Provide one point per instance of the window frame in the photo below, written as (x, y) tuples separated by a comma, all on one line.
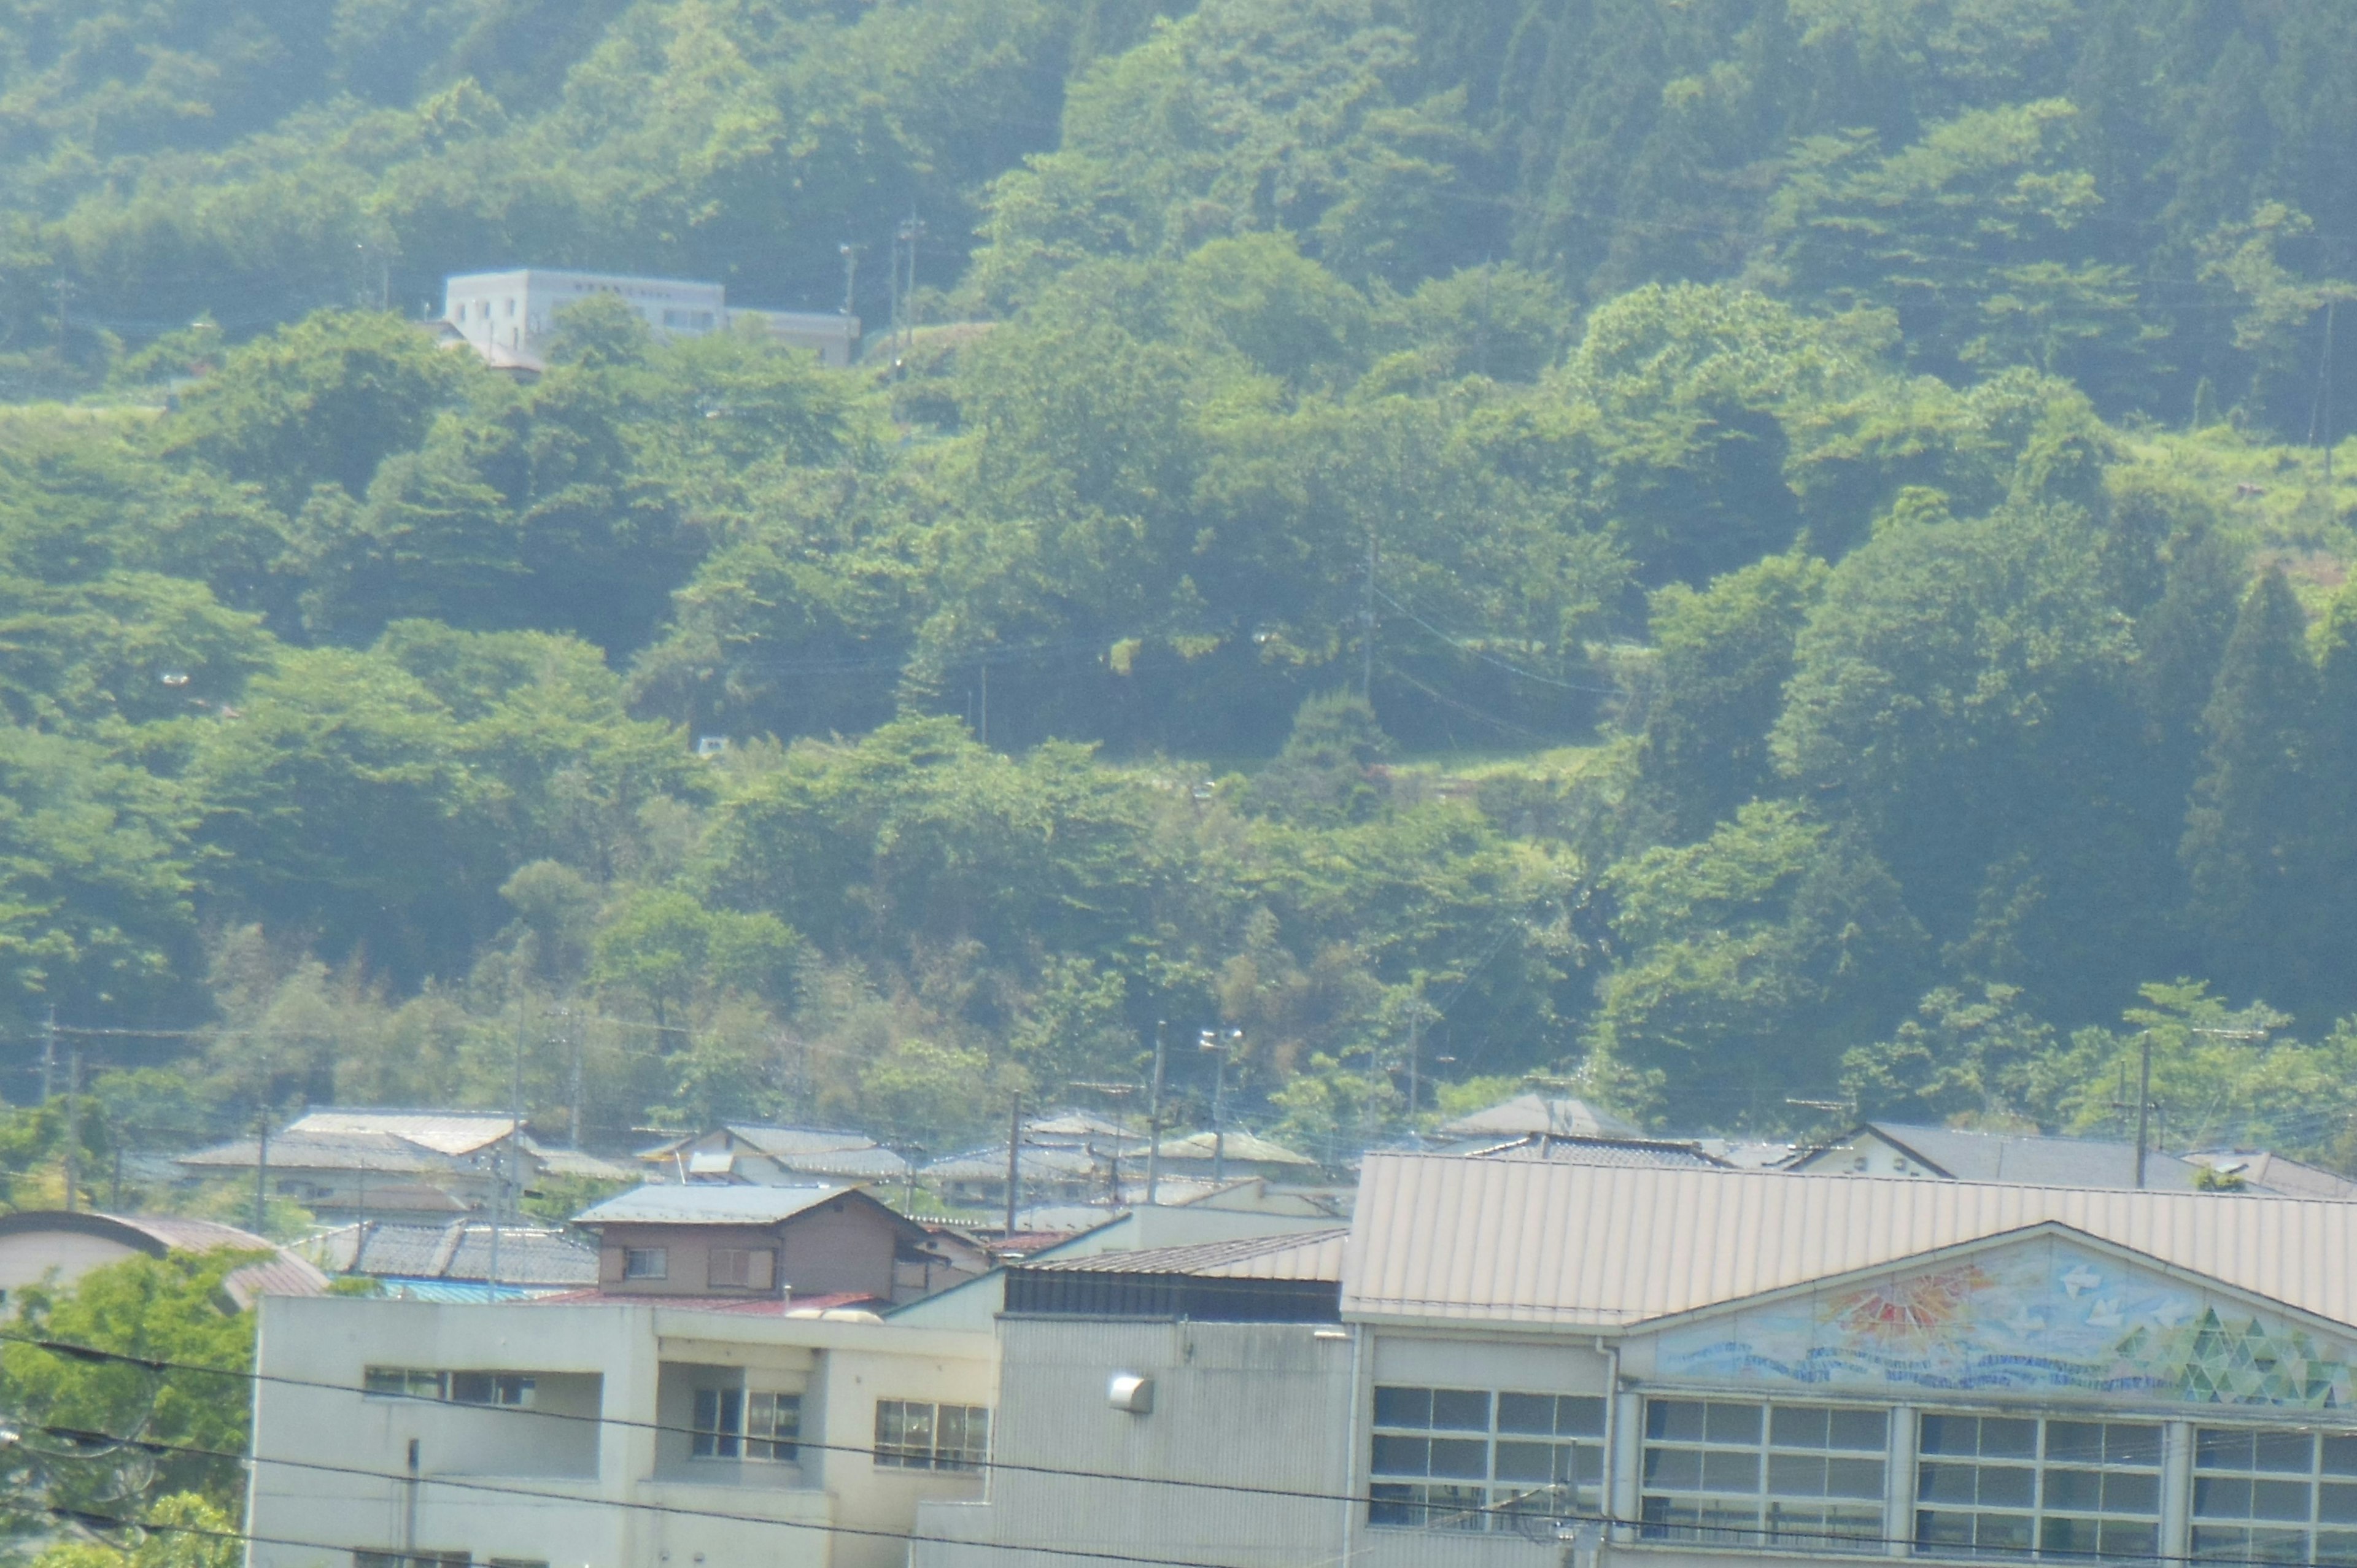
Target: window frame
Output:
[(760, 1425), (964, 1456), (2315, 1480), (2041, 1512), (661, 1257), (1401, 1498), (744, 1271), (1724, 1453)]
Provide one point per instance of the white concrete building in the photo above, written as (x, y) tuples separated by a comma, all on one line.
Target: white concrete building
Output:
[(509, 318), (1538, 1364), (607, 1436)]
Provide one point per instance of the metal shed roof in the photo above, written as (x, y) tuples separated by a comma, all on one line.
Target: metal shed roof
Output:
[(1541, 1244), (1317, 1255)]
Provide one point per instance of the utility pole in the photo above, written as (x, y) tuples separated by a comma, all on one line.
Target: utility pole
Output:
[(1367, 651), (73, 1128), (505, 1147), (2143, 1105), (981, 731), (912, 228), (1013, 1158), (65, 289), (1154, 1118), (850, 254), (2331, 309), (1415, 1054), (262, 1170), (48, 1053), (574, 1038), (1209, 1040)]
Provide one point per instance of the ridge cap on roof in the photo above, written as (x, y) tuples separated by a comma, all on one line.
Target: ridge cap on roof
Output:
[(2182, 1193)]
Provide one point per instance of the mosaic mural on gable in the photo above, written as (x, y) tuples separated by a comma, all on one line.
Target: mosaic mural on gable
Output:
[(2039, 1315)]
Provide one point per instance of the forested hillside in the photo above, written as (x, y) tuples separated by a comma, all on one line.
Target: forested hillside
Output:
[(1746, 552)]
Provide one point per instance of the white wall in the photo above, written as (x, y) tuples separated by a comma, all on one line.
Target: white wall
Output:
[(1261, 1404), (594, 1358)]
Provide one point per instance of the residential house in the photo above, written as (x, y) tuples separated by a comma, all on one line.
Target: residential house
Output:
[(1946, 1154), (348, 1165), (456, 1262), (1528, 1114), (56, 1247), (1234, 1153), (1539, 1363), (1048, 1173), (773, 1156), (1594, 1151), (782, 1245), (620, 1433)]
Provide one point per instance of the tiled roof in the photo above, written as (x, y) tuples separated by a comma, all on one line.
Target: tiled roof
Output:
[(1036, 1162), (707, 1205), (528, 1255), (1241, 1147), (443, 1132), (1593, 1151), (1545, 1244), (276, 1273), (2018, 1157), (1537, 1114), (356, 1151), (2266, 1171)]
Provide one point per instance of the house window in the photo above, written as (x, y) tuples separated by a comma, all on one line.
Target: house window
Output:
[(731, 1424), (645, 1263), (511, 1390), (751, 1267), (1737, 1473), (1471, 1458), (404, 1382), (2275, 1497), (2004, 1485), (910, 1436)]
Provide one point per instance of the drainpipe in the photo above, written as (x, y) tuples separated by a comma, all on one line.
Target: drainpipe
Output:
[(1352, 1484)]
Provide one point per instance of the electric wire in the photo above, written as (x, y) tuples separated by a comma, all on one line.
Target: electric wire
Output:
[(1511, 1511)]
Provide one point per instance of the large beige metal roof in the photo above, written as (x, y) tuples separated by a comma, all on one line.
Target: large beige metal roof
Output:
[(1524, 1242)]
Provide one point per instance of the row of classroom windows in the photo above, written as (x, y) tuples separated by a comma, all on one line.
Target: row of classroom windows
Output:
[(1817, 1477)]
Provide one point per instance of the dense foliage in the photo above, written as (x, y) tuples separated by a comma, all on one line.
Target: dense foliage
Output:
[(1755, 551)]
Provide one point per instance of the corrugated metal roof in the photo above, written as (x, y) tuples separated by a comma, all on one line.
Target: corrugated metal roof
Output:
[(1037, 1161), (1314, 1255), (1536, 1113), (1545, 1244), (707, 1205)]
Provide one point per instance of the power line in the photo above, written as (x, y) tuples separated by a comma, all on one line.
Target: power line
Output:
[(157, 1446), (1510, 1510)]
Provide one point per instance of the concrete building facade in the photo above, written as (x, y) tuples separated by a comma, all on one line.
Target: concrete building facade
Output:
[(1531, 1363), (510, 316), (607, 1434)]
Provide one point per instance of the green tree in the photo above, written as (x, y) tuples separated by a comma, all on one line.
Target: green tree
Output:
[(322, 402), (169, 1308), (2249, 828)]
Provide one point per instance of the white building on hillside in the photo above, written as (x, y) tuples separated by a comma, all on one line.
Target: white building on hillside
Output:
[(613, 1435), (508, 317)]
